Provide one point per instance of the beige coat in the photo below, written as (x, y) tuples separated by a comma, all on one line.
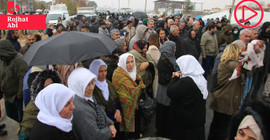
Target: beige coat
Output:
[(209, 44), (131, 31), (154, 52)]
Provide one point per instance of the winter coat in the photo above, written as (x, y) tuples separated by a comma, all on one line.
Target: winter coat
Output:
[(227, 95), (42, 131), (12, 71), (225, 37), (148, 74), (209, 44), (49, 32), (103, 31), (112, 104), (94, 28), (29, 117), (130, 31), (154, 53), (16, 44), (138, 36), (90, 121), (177, 41), (24, 49), (165, 69), (187, 108), (191, 46)]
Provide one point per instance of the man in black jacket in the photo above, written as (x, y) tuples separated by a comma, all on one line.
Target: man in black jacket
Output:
[(13, 36), (174, 37)]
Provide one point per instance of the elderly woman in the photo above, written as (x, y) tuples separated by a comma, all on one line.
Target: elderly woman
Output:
[(104, 92), (188, 93), (226, 98), (166, 66), (89, 119), (42, 80), (145, 65), (129, 86), (122, 45), (55, 103)]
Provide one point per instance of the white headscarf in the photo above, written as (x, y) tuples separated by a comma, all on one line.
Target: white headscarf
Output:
[(78, 80), (190, 67), (249, 122), (123, 64), (102, 85), (50, 101)]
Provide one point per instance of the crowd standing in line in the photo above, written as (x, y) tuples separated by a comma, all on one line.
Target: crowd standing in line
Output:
[(168, 58)]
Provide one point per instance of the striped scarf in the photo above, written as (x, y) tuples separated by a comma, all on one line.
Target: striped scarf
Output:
[(128, 92)]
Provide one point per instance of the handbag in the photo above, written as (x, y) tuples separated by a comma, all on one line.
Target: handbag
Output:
[(147, 105)]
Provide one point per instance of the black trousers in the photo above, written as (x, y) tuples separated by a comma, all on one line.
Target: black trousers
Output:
[(219, 126)]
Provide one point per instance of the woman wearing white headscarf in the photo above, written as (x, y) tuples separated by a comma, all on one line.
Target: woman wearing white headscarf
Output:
[(129, 86), (55, 103), (90, 121), (188, 93), (104, 91)]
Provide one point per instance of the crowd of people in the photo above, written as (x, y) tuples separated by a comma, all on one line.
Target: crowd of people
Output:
[(171, 59)]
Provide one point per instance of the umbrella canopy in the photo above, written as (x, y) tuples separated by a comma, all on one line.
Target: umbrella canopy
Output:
[(69, 48), (140, 15)]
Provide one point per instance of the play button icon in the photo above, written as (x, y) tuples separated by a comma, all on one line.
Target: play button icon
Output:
[(243, 13), (248, 14)]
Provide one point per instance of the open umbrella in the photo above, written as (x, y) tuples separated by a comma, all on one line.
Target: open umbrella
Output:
[(69, 48), (140, 15)]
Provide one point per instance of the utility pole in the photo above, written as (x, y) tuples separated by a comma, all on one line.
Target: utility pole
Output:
[(119, 6), (231, 11), (128, 3), (145, 6)]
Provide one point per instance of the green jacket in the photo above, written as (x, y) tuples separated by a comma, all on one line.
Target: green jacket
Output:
[(29, 117), (12, 71), (146, 75), (113, 98), (227, 96), (209, 44), (225, 37)]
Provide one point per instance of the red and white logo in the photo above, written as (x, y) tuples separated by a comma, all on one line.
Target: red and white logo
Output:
[(246, 17), (21, 22)]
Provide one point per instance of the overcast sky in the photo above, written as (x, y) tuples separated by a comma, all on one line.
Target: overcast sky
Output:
[(139, 4)]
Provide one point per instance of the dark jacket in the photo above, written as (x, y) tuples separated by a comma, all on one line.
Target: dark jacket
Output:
[(94, 28), (112, 104), (16, 44), (225, 36), (187, 109), (49, 32), (191, 46), (165, 70), (12, 71), (24, 49), (42, 131), (179, 51)]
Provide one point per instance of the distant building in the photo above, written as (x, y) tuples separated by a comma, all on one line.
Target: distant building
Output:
[(215, 10), (178, 5)]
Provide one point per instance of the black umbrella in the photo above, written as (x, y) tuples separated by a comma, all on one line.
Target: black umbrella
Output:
[(140, 15), (69, 48)]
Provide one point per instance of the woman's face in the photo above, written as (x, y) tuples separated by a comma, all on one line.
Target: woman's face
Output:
[(102, 73), (48, 82), (67, 110), (124, 49), (162, 34), (245, 134), (130, 64), (89, 89)]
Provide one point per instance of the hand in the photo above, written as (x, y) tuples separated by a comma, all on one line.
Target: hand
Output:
[(204, 57), (143, 66), (117, 116), (113, 130), (176, 74)]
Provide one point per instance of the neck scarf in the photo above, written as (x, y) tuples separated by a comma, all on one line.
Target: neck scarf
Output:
[(190, 67), (249, 122), (102, 85), (122, 63), (78, 80), (50, 101)]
